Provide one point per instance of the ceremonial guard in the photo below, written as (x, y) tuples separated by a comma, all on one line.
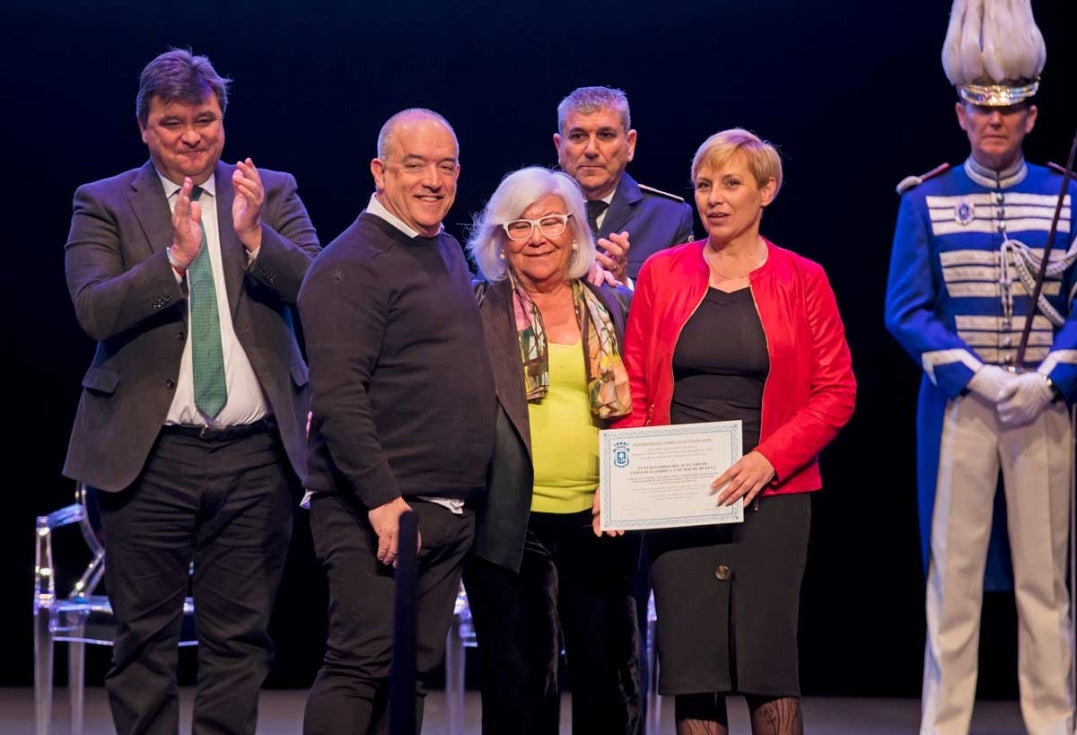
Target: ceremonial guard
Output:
[(967, 253)]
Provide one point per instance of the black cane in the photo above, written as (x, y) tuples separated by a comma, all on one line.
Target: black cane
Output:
[(403, 715), (1020, 361), (1066, 176)]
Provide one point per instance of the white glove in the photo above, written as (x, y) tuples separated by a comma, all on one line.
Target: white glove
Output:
[(1024, 399), (989, 381)]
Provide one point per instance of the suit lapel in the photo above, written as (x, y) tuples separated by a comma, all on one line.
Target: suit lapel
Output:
[(154, 215), (621, 206), (504, 346), (150, 208), (233, 254)]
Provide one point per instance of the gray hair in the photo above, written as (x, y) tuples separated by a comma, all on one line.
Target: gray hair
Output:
[(589, 100), (177, 75), (763, 159), (385, 136), (516, 192)]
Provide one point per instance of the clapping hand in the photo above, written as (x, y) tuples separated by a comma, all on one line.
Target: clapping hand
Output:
[(612, 254), (186, 227), (247, 206)]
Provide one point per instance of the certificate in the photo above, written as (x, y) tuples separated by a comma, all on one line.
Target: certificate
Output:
[(660, 476)]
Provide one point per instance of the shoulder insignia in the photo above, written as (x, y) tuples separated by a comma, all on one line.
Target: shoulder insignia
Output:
[(659, 192), (1057, 168), (910, 181)]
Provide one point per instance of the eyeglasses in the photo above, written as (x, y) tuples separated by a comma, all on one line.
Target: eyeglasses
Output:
[(551, 225)]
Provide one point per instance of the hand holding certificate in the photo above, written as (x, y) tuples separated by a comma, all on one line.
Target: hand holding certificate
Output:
[(660, 476)]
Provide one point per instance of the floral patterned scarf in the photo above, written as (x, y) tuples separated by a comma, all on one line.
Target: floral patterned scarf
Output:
[(607, 380)]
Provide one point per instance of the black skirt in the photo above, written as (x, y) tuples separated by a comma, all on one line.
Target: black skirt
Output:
[(727, 599)]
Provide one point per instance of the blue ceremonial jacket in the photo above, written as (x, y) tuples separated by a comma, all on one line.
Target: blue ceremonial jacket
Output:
[(966, 251)]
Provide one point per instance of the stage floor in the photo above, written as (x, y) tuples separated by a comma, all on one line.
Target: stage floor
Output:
[(281, 713)]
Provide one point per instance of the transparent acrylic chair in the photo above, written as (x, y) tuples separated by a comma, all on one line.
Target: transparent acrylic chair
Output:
[(461, 637), (78, 618)]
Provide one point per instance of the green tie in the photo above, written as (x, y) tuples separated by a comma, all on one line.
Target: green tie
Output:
[(207, 356)]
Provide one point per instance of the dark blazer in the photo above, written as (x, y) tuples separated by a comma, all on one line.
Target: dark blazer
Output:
[(503, 514), (127, 297), (654, 220)]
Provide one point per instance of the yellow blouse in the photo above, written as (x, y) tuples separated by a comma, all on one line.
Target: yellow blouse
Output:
[(564, 436)]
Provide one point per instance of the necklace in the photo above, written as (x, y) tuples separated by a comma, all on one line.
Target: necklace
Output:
[(757, 258)]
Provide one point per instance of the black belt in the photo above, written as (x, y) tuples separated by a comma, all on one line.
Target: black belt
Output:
[(221, 433)]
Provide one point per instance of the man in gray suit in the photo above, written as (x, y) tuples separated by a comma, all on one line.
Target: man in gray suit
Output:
[(595, 141), (185, 481)]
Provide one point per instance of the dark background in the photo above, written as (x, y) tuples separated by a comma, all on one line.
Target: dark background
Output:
[(852, 93)]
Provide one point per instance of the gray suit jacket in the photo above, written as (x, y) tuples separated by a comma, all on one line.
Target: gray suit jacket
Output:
[(654, 220), (503, 514), (126, 297)]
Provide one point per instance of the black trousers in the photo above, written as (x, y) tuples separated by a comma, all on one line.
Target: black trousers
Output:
[(573, 589), (350, 694), (226, 506)]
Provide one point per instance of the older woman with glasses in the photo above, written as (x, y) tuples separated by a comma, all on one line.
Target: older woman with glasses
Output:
[(541, 576)]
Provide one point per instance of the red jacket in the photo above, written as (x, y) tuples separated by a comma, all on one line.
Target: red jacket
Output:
[(810, 391)]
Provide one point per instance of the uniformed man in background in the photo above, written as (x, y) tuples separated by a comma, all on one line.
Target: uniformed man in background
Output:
[(595, 141)]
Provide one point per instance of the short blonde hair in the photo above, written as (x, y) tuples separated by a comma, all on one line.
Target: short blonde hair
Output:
[(763, 159)]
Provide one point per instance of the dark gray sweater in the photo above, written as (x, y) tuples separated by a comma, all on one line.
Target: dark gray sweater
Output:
[(402, 391)]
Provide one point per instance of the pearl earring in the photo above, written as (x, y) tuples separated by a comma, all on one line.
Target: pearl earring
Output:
[(575, 245), (501, 255)]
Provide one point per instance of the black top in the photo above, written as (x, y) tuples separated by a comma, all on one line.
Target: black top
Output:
[(721, 363), (403, 395)]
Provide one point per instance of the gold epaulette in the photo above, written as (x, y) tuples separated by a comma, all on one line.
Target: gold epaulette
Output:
[(659, 192), (910, 181)]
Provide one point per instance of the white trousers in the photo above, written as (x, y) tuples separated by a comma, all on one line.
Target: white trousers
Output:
[(1036, 461)]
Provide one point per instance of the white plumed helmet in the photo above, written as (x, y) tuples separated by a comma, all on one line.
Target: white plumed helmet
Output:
[(993, 52)]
